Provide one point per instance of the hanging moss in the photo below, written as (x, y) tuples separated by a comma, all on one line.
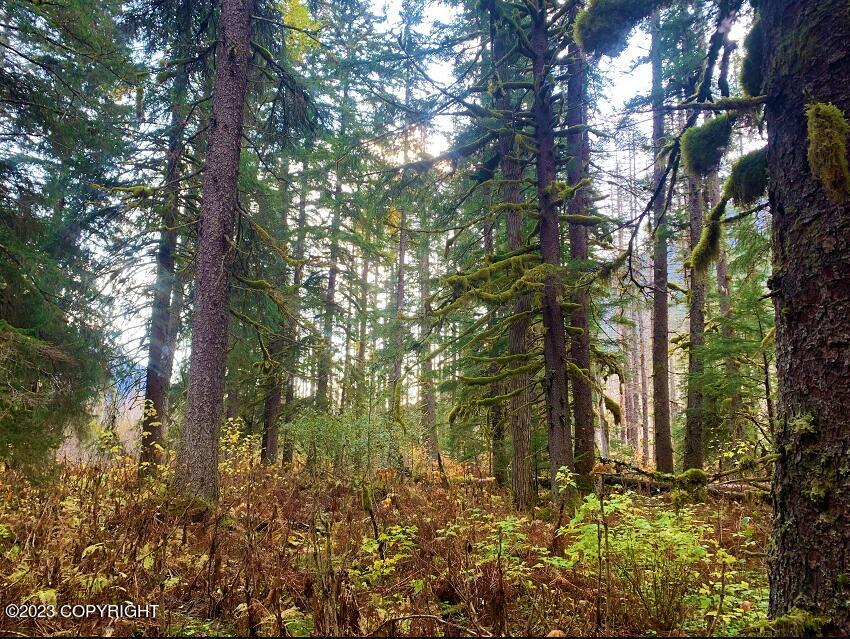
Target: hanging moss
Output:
[(828, 130), (751, 77), (603, 27), (614, 408), (748, 179), (703, 146), (706, 250)]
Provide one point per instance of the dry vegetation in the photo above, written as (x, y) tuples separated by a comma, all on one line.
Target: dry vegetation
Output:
[(298, 551)]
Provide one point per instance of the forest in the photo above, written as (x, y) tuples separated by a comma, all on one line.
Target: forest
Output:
[(424, 318)]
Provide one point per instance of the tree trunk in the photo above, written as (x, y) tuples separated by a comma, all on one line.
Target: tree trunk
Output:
[(274, 374), (554, 340), (644, 393), (160, 356), (807, 61), (579, 252), (519, 407), (429, 396), (693, 453), (660, 363), (197, 461)]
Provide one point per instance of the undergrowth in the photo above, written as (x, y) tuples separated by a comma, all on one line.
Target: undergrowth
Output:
[(296, 551)]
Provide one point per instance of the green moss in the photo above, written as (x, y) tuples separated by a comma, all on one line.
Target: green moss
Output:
[(602, 28), (751, 77), (703, 146), (794, 623), (748, 180), (828, 130), (614, 408), (708, 247), (692, 477)]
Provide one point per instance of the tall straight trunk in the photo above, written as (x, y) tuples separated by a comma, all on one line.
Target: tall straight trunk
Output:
[(579, 252), (806, 61), (197, 460), (429, 395), (297, 280), (554, 340), (362, 336), (498, 446), (644, 393), (275, 376), (519, 407), (160, 356), (693, 453), (660, 318), (323, 371)]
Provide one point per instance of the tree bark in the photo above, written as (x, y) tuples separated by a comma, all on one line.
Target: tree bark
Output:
[(660, 321), (554, 340), (274, 382), (807, 61), (519, 407), (579, 151), (160, 356), (197, 461), (693, 453)]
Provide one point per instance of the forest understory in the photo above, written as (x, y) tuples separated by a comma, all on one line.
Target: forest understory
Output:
[(425, 317), (293, 551)]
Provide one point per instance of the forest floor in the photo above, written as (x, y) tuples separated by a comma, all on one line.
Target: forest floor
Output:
[(295, 552)]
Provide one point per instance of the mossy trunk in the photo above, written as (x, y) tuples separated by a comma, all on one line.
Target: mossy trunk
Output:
[(579, 151), (660, 318), (554, 338), (807, 61), (519, 408), (693, 453), (197, 461), (160, 355)]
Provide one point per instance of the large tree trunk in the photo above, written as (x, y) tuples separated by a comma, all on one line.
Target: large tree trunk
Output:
[(160, 356), (197, 461), (554, 340), (579, 252), (519, 408), (274, 382), (429, 396), (693, 453), (297, 279), (807, 61), (660, 363), (323, 398)]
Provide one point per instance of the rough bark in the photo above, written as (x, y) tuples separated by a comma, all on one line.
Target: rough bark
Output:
[(693, 452), (807, 61), (579, 252), (274, 382), (429, 396), (519, 408), (197, 461), (554, 340), (660, 320), (160, 356)]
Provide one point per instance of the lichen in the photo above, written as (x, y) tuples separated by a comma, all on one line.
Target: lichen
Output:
[(828, 130), (748, 180), (602, 28), (751, 76), (703, 146)]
